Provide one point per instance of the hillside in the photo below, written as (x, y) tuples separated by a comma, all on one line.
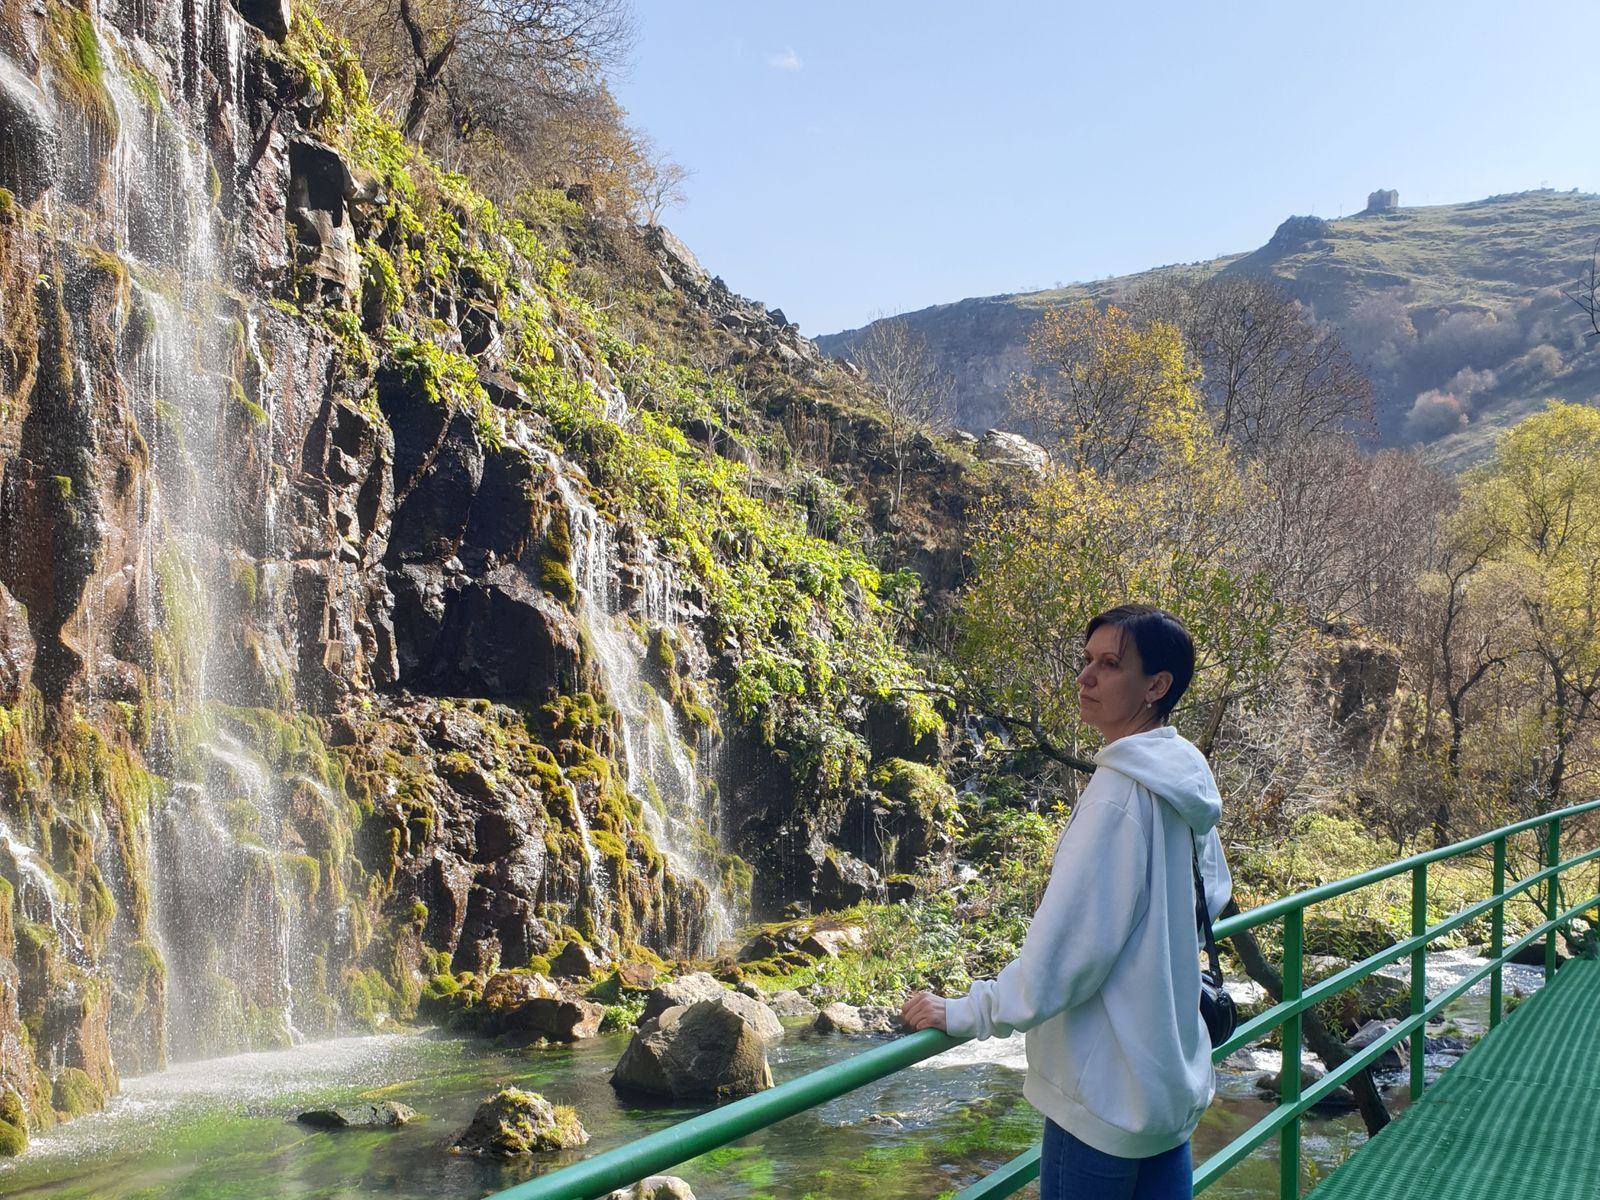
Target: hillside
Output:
[(1456, 311)]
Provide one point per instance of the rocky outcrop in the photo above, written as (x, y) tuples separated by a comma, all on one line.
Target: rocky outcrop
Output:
[(303, 570), (1013, 452), (844, 881), (29, 151)]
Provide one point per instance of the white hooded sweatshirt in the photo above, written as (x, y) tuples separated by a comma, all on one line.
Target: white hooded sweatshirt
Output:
[(1108, 981)]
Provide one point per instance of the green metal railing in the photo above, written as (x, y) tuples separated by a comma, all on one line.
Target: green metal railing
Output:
[(659, 1151)]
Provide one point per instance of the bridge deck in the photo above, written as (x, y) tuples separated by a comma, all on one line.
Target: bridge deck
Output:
[(1517, 1116)]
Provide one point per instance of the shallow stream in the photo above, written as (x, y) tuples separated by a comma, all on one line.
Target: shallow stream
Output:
[(224, 1129)]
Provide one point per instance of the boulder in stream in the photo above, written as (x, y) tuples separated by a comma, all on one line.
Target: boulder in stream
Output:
[(847, 1018), (680, 992), (707, 1051), (563, 1020), (513, 1122), (382, 1115), (790, 1003)]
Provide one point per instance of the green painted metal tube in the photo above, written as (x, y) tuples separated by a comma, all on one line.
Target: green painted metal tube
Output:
[(1009, 1179), (1289, 1076), (1266, 1021), (625, 1164), (655, 1153), (1552, 895), (1497, 933), (1419, 974), (1328, 891)]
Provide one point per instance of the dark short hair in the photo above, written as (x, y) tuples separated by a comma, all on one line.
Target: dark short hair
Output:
[(1162, 641)]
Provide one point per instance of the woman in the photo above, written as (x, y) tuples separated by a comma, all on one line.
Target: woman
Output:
[(1108, 980)]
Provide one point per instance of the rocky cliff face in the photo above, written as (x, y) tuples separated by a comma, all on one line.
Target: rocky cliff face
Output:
[(360, 624)]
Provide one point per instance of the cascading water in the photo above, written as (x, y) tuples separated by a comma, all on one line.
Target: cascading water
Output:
[(224, 920), (595, 881), (679, 809), (37, 894)]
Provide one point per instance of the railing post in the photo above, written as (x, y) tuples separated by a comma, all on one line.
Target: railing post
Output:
[(1289, 1041), (1419, 976), (1552, 895), (1497, 932)]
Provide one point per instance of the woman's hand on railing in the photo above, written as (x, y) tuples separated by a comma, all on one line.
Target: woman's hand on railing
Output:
[(923, 1010)]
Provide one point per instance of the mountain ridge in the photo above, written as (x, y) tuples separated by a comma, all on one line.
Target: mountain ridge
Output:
[(1457, 311)]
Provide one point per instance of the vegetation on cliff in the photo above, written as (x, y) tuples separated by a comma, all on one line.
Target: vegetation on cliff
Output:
[(356, 718)]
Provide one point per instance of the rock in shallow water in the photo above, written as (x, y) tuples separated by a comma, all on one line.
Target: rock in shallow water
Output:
[(513, 1122), (655, 1187), (790, 1003), (387, 1115), (847, 1018), (707, 1051), (678, 993)]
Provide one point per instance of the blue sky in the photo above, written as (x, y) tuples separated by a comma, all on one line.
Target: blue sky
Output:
[(853, 159)]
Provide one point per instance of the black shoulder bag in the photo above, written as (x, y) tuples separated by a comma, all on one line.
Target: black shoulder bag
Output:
[(1216, 1006)]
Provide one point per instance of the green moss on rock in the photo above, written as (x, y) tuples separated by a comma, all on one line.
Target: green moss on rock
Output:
[(514, 1122), (920, 788), (75, 1094)]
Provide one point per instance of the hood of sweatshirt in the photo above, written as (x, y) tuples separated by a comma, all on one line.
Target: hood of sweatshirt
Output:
[(1169, 766)]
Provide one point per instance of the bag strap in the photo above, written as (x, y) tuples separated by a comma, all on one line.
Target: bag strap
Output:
[(1202, 912)]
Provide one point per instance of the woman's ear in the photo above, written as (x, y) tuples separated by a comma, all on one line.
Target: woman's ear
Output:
[(1160, 682)]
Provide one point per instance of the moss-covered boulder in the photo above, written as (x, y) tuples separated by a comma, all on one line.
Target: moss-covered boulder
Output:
[(556, 1020), (903, 818), (13, 1124), (513, 1122), (577, 961), (75, 1093)]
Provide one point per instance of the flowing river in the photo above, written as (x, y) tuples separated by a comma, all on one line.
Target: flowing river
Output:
[(224, 1129)]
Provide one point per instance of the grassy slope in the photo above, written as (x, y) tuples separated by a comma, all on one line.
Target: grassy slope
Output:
[(1509, 255)]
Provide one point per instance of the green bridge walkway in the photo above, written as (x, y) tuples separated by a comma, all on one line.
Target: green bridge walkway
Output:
[(1517, 1116)]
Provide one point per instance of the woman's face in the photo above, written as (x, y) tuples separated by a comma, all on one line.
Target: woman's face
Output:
[(1115, 696)]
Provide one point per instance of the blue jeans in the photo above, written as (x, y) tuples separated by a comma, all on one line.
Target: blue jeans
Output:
[(1071, 1170)]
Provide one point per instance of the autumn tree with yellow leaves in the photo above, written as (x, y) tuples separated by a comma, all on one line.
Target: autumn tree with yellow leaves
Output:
[(1107, 393), (1535, 508), (1144, 504)]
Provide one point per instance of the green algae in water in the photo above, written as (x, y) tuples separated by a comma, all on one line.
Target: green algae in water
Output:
[(224, 1130)]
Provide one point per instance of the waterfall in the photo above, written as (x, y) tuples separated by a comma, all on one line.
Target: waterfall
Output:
[(220, 905), (679, 809), (595, 881), (37, 894)]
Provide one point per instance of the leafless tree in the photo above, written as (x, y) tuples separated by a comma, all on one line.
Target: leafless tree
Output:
[(513, 90), (914, 392), (1467, 631), (660, 186), (1270, 372), (1586, 292), (1343, 534)]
